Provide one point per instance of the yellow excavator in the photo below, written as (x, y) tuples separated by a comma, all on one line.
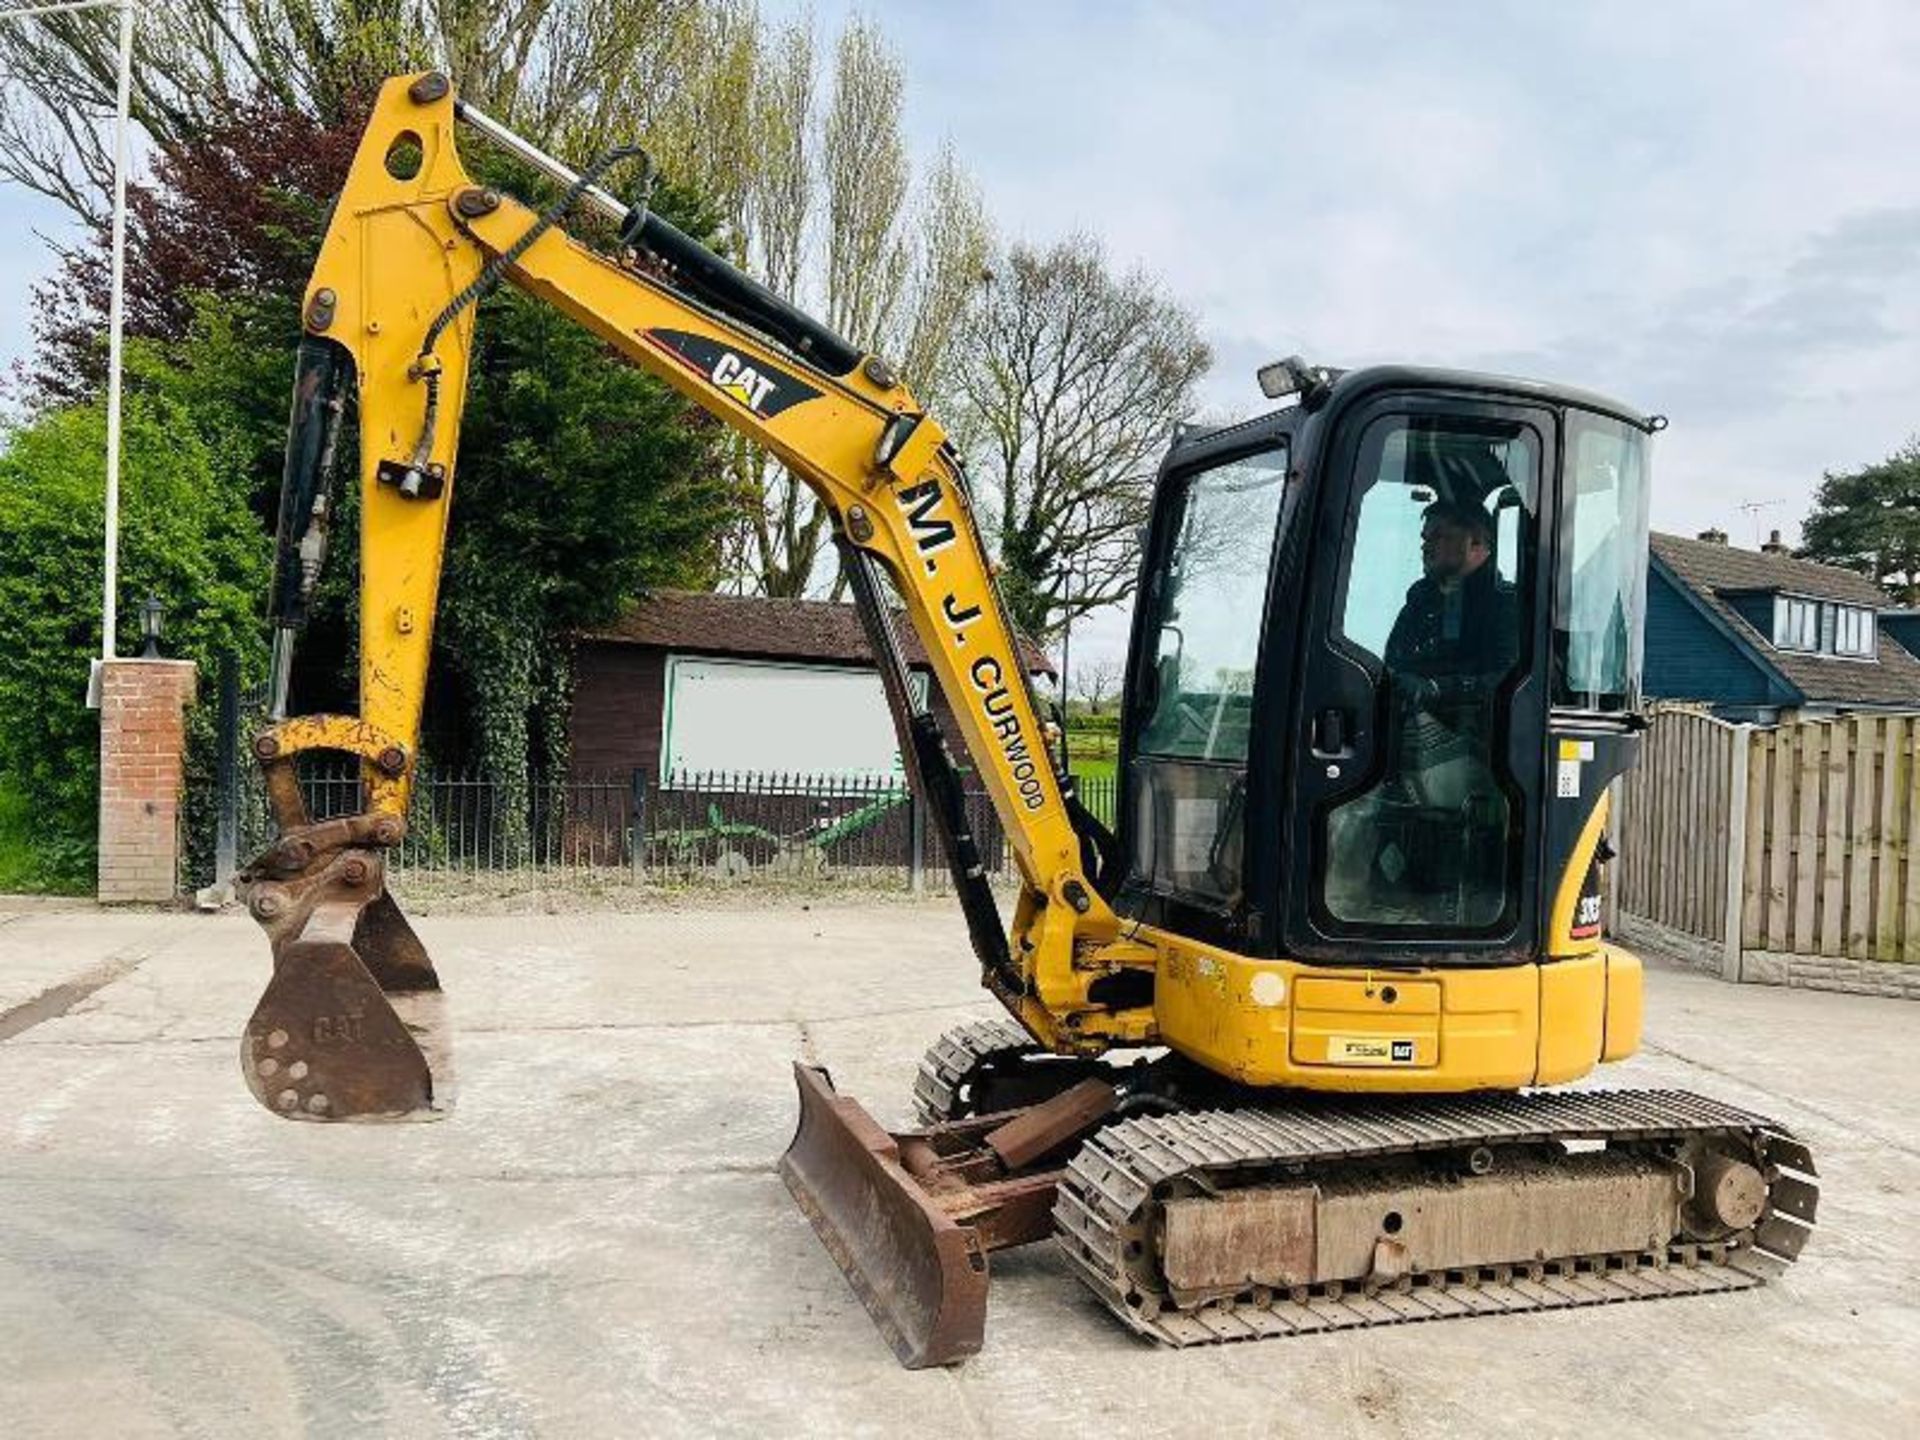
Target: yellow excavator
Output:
[(1274, 1046)]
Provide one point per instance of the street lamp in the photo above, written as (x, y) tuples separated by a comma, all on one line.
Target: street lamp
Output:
[(109, 604), (152, 612)]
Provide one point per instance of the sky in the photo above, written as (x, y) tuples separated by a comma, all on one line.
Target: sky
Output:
[(1709, 210)]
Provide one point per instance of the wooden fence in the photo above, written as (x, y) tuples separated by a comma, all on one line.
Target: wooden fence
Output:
[(1831, 807), (1675, 830), (1790, 840)]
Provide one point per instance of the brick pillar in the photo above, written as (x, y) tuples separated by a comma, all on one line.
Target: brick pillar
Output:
[(142, 753)]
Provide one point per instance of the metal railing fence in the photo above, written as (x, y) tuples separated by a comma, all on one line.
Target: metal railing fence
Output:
[(636, 828)]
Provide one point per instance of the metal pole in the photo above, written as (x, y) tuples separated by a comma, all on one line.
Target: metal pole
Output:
[(109, 587), (226, 843), (596, 198), (116, 314), (1066, 666)]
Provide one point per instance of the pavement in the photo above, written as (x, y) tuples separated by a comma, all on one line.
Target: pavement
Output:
[(596, 1244)]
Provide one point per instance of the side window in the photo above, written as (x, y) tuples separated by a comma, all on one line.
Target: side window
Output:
[(1211, 604), (1433, 592), (1189, 768)]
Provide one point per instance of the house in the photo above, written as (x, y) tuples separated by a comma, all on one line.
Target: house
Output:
[(1761, 636), (697, 684)]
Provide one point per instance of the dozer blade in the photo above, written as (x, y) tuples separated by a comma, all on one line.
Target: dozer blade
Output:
[(352, 1024), (921, 1274)]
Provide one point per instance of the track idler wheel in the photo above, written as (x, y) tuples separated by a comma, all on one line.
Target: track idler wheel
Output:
[(351, 1026)]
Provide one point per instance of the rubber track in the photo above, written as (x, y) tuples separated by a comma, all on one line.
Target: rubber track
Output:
[(1107, 1201), (952, 1060)]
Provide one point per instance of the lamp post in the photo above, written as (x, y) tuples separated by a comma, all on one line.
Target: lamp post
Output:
[(109, 586), (152, 612)]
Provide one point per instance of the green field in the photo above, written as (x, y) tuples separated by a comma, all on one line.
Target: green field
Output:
[(1093, 746)]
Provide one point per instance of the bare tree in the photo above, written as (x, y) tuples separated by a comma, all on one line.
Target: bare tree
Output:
[(552, 67), (809, 174), (1098, 681), (1074, 378), (823, 205)]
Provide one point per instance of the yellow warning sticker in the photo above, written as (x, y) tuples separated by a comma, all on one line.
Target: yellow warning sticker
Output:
[(1368, 1050), (1576, 749)]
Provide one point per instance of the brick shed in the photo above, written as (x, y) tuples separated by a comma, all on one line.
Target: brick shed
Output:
[(692, 682)]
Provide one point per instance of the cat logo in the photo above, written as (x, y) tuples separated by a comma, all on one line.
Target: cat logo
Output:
[(1357, 1050), (756, 385), (742, 381)]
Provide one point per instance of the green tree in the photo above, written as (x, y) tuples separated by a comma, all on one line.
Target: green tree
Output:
[(582, 480), (1869, 520), (186, 536)]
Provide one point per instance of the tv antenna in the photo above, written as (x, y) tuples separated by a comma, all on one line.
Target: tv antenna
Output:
[(1753, 508)]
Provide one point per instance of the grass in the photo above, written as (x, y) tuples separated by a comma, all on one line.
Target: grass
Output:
[(24, 865), (1092, 753), (18, 865)]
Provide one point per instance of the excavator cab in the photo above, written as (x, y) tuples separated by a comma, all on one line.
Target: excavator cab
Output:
[(1365, 623), (1271, 1054)]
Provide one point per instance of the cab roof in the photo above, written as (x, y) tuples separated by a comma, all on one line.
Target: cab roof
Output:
[(1350, 385)]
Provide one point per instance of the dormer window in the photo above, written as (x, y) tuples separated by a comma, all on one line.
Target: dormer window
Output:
[(1819, 627), (1853, 630), (1796, 623)]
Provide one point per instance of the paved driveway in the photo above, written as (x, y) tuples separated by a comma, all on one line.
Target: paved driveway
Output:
[(596, 1243)]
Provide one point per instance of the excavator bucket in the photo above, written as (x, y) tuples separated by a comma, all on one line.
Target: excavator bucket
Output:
[(352, 1024), (921, 1274)]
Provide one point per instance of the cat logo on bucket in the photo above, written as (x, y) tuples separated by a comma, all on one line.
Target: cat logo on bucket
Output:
[(1366, 1050)]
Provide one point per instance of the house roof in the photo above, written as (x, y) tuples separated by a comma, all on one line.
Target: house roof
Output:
[(820, 630), (1713, 571)]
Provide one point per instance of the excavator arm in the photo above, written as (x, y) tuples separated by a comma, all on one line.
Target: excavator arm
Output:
[(346, 1025)]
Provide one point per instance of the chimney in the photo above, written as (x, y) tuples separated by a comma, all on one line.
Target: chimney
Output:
[(1773, 545), (1713, 537)]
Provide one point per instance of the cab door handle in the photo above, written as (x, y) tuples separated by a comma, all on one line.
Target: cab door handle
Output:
[(1332, 736)]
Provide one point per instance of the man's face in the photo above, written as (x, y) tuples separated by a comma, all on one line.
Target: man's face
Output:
[(1449, 550)]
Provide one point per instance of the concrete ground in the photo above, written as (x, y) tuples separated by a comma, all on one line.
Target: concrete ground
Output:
[(596, 1242)]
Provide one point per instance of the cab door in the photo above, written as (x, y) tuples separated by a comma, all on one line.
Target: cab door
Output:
[(1191, 734), (1418, 727)]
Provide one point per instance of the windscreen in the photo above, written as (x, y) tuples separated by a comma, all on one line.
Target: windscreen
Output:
[(1601, 590)]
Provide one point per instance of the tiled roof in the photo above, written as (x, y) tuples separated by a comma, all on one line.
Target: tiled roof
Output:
[(1713, 571), (772, 629)]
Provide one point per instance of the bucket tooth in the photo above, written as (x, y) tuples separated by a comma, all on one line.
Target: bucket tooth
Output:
[(921, 1274)]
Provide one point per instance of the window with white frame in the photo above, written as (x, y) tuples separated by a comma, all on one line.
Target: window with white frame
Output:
[(1853, 631), (1796, 623)]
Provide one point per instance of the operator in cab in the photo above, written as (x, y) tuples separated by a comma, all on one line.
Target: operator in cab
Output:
[(1460, 622), (1434, 836)]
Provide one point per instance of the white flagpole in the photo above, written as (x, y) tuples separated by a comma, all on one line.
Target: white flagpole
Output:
[(116, 316), (116, 307)]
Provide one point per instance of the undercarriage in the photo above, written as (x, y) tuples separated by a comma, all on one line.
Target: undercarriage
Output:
[(1200, 1213)]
